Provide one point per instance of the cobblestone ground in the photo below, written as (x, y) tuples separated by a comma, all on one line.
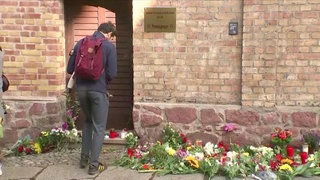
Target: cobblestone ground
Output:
[(68, 156)]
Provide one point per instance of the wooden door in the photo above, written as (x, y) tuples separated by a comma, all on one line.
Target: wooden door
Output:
[(82, 18)]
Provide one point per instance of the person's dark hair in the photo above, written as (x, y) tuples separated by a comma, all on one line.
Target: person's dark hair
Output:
[(108, 27)]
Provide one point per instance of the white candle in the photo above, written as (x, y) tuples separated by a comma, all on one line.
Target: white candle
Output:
[(305, 148), (123, 134)]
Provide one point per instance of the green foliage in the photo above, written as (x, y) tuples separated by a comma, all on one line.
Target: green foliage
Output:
[(209, 167), (172, 137), (73, 109), (131, 140), (312, 139)]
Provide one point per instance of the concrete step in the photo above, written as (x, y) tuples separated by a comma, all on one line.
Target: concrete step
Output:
[(117, 141)]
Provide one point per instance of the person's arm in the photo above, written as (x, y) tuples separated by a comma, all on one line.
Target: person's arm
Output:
[(72, 59), (111, 67)]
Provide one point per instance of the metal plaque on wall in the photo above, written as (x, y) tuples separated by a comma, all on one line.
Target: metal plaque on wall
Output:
[(159, 19)]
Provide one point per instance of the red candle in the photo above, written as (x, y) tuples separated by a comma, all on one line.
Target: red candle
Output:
[(290, 151), (304, 157), (130, 152)]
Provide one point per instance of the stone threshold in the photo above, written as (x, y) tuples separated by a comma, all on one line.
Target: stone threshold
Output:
[(115, 141)]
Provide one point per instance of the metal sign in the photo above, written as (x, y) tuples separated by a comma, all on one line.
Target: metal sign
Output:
[(160, 19)]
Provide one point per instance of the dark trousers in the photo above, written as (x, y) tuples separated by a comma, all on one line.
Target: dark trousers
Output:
[(95, 106)]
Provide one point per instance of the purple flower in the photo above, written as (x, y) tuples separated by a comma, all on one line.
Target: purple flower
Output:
[(69, 112), (182, 153), (230, 127), (65, 126)]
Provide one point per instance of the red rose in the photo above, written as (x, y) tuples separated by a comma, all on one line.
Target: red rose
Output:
[(28, 150), (274, 165), (278, 157), (184, 138), (20, 149), (220, 144)]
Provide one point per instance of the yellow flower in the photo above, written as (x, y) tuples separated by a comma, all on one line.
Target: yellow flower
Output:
[(246, 154), (286, 161), (171, 151), (193, 162), (311, 157), (37, 148), (286, 167), (45, 133)]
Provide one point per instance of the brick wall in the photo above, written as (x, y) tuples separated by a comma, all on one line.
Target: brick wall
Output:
[(200, 78), (199, 63), (280, 61), (32, 36)]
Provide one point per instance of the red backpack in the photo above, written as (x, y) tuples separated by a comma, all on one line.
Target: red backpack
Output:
[(89, 62)]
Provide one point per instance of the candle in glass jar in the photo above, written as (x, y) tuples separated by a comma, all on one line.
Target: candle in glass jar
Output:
[(290, 151), (123, 134), (305, 148), (304, 157)]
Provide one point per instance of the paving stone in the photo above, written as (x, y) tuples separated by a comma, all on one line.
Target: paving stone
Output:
[(119, 173), (56, 172), (19, 172)]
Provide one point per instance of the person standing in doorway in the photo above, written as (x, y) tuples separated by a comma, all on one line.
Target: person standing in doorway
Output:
[(94, 102)]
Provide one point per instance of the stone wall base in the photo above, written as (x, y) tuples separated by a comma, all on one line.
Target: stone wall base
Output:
[(206, 122), (28, 117)]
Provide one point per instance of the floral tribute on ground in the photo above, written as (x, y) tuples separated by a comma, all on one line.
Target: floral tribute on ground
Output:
[(175, 154), (57, 138)]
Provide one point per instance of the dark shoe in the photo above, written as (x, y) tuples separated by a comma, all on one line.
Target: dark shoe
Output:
[(96, 169), (84, 161)]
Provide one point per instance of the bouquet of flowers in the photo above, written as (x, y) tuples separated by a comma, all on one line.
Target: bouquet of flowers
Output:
[(131, 140), (281, 138), (173, 137)]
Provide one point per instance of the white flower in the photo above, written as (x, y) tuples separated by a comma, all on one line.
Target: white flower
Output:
[(232, 155), (199, 156), (74, 132), (67, 132), (208, 148)]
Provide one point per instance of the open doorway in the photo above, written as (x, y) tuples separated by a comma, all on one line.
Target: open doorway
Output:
[(82, 18)]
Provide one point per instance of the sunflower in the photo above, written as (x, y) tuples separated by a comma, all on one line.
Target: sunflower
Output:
[(193, 162), (286, 161)]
